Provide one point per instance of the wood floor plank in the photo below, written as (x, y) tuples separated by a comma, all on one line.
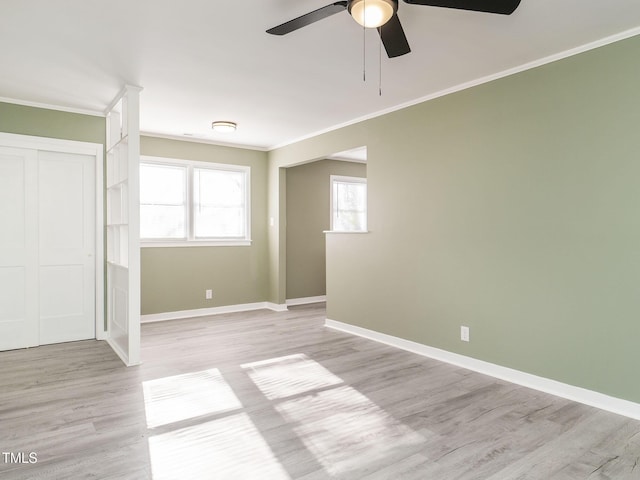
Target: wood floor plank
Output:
[(276, 395)]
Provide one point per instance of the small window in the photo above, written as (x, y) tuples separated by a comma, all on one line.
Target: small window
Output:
[(193, 202), (348, 204)]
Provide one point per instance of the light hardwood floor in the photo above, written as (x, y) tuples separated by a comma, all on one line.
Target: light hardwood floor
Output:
[(267, 395)]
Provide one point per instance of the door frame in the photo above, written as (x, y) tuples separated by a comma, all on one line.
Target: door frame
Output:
[(95, 150)]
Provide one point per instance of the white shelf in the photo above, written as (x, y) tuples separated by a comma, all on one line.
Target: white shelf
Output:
[(118, 143), (117, 164)]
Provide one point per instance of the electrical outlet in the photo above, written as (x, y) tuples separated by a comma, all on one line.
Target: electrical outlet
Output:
[(464, 333), (208, 294)]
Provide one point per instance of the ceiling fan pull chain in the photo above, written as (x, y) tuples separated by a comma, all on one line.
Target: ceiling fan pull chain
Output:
[(364, 45), (380, 66)]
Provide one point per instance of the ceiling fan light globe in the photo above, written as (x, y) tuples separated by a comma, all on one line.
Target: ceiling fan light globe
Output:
[(372, 13)]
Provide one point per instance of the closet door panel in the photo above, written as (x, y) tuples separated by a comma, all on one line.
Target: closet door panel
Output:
[(66, 246), (18, 248)]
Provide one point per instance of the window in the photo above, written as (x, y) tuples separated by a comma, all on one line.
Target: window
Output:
[(348, 204), (193, 202), (163, 201)]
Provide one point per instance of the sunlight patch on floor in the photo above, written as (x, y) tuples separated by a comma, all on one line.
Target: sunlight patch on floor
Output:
[(344, 430), (339, 426), (181, 397), (291, 375), (227, 448)]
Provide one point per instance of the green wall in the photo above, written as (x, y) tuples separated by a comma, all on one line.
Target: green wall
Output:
[(175, 278), (308, 212), (512, 208), (42, 122)]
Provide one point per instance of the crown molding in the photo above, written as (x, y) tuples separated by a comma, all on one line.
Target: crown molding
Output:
[(46, 106), (190, 139)]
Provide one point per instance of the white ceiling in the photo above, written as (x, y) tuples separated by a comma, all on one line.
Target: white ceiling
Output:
[(205, 60)]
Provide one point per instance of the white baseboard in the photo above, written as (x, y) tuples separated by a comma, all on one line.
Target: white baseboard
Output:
[(570, 392), (276, 307), (306, 300), (203, 312)]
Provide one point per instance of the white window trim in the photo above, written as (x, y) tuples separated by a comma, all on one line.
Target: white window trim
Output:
[(191, 241), (343, 178)]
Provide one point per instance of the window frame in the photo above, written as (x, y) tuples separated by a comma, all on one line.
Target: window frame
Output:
[(347, 179), (191, 240)]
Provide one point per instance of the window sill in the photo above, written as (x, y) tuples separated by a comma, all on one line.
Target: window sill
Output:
[(196, 243), (346, 231)]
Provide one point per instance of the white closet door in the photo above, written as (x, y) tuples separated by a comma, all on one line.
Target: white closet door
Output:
[(18, 248), (66, 222)]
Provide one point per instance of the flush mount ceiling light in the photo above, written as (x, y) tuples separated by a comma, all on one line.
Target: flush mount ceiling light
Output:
[(372, 13), (224, 126)]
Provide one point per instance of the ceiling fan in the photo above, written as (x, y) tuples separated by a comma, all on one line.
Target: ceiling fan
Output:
[(383, 15)]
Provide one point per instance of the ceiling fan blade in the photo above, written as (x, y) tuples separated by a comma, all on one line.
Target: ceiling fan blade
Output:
[(308, 19), (504, 7), (393, 38)]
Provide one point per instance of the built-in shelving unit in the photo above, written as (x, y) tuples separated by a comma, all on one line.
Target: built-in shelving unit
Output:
[(122, 225)]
